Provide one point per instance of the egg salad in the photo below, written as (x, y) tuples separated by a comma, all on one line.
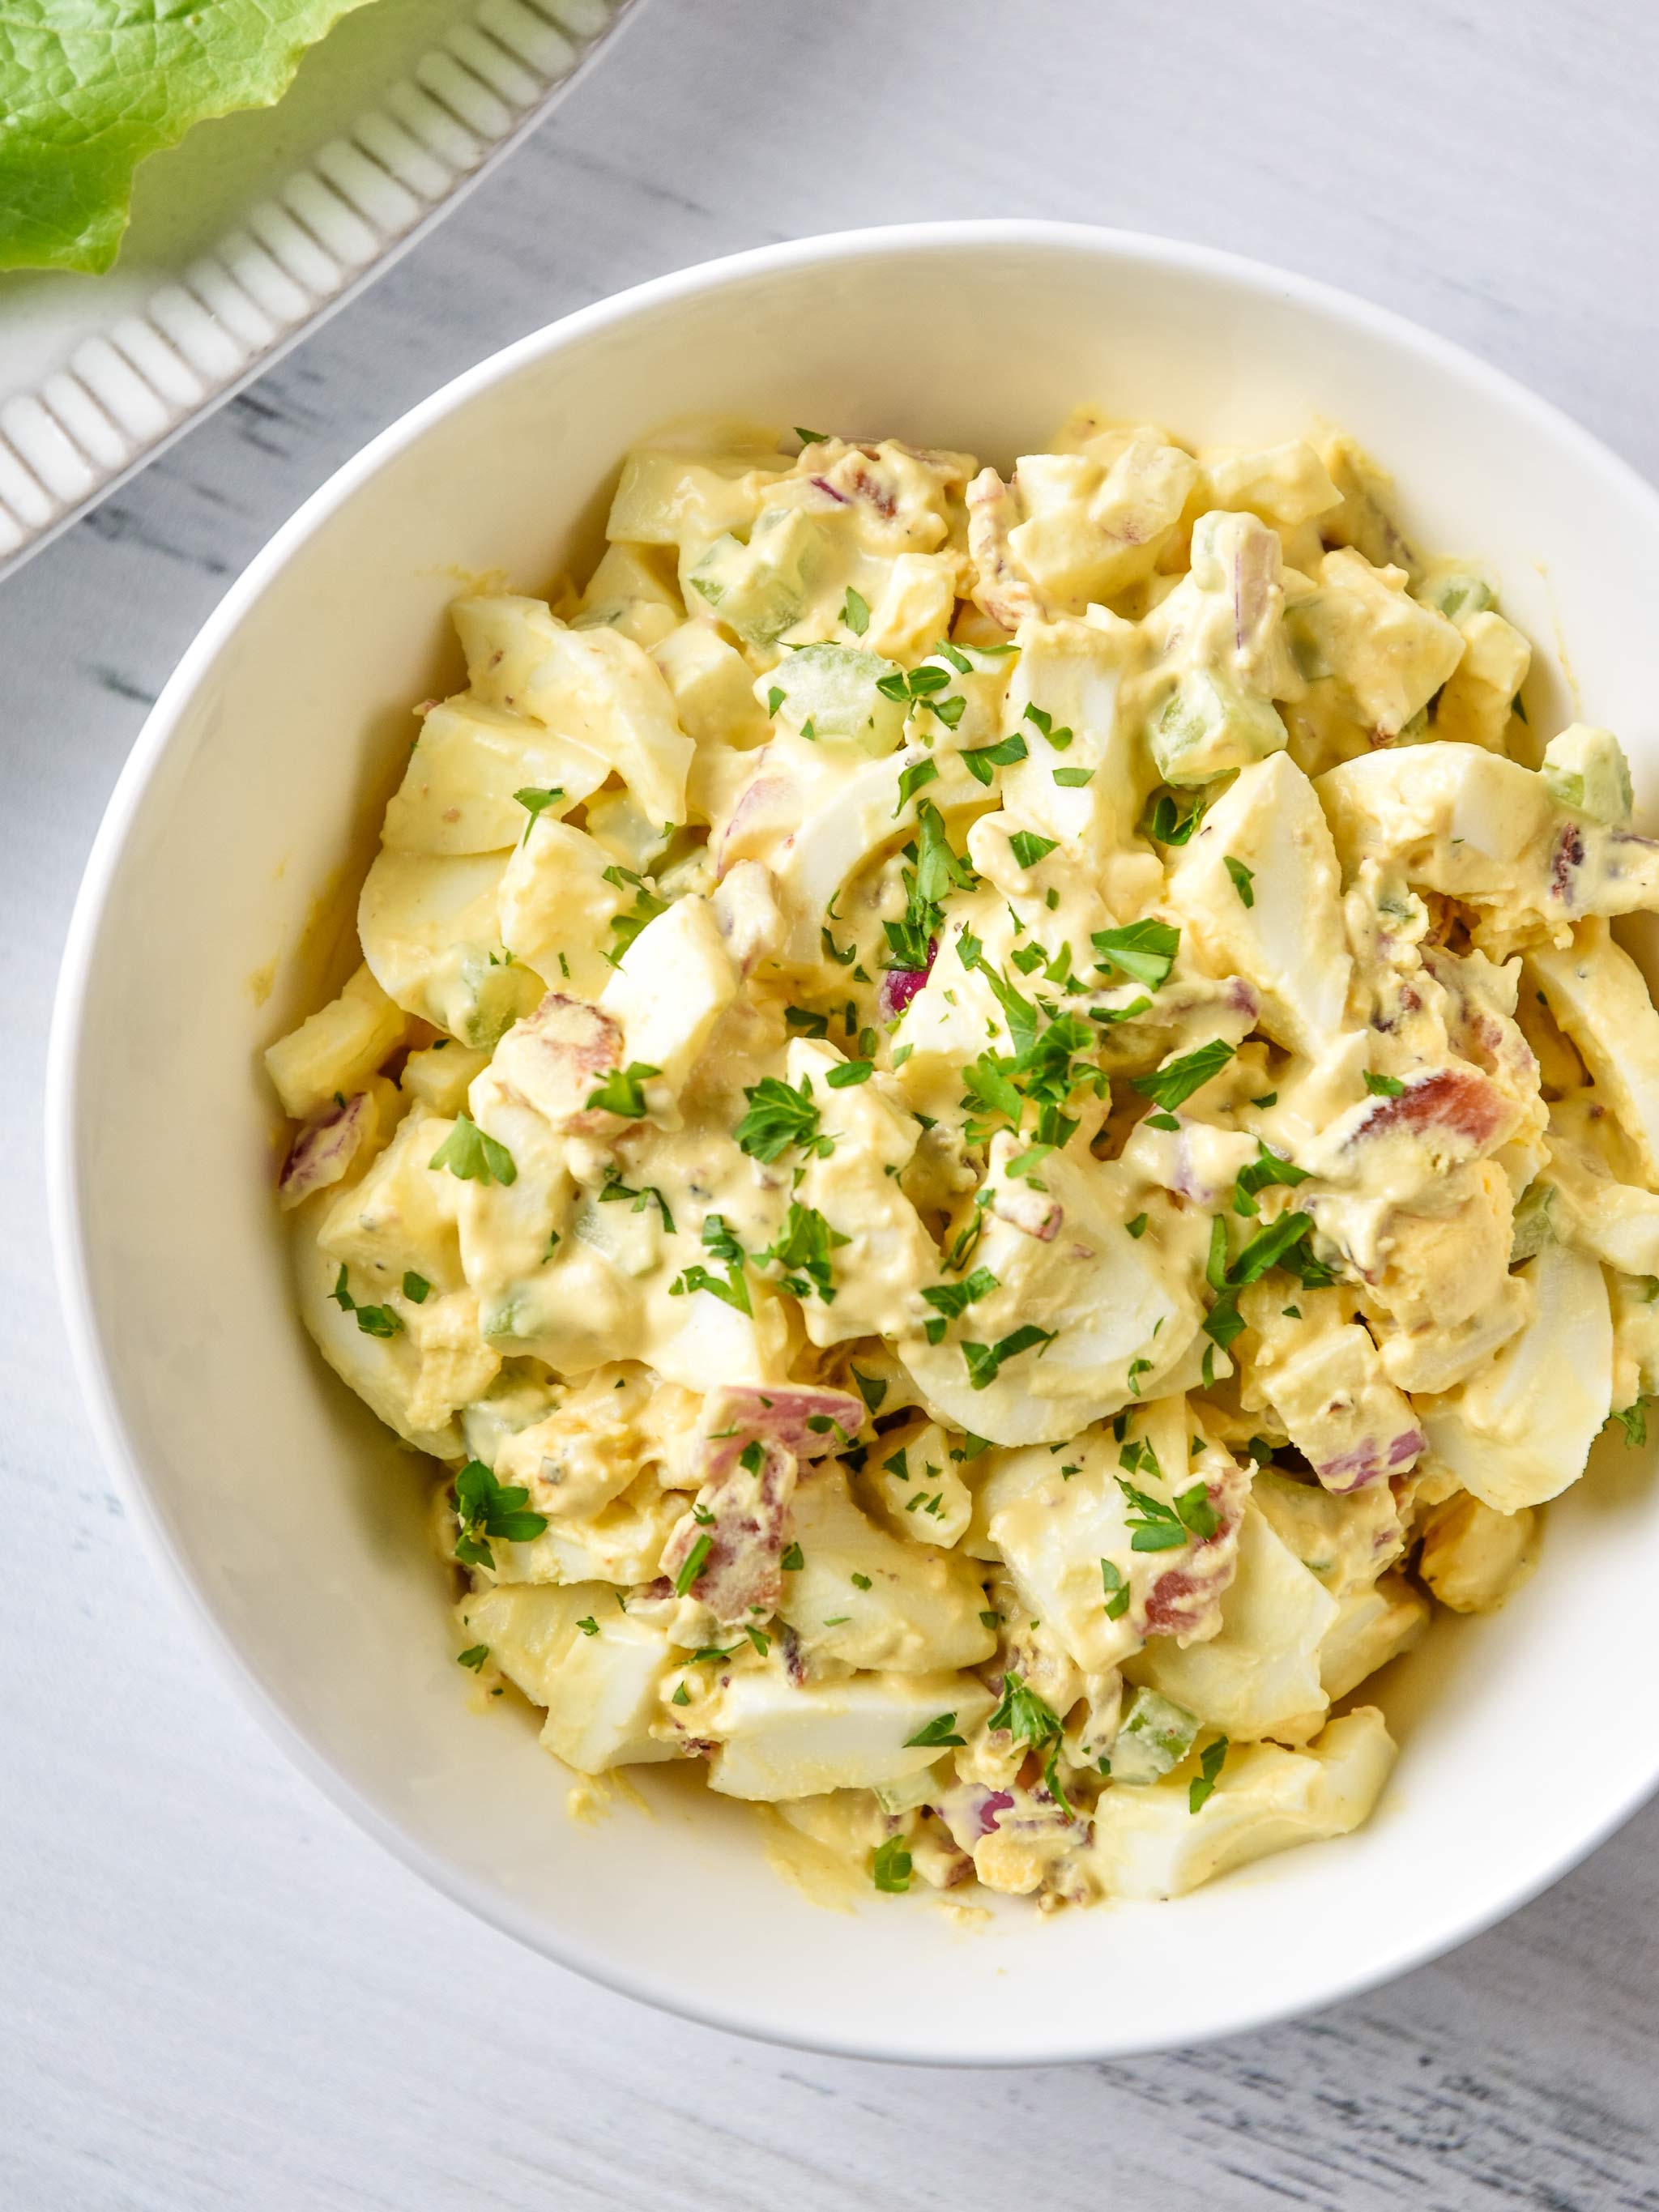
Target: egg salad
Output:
[(992, 1127)]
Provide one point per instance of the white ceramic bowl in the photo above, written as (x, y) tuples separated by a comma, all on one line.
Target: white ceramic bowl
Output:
[(289, 1519)]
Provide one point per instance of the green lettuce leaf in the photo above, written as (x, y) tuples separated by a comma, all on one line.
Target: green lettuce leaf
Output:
[(88, 87)]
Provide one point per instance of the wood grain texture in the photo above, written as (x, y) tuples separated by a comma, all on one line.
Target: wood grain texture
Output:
[(212, 1992)]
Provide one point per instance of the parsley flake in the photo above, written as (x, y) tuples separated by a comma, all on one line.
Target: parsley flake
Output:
[(693, 1564), (468, 1153), (889, 1870), (779, 1116), (623, 1091), (1173, 1084), (982, 762), (1202, 1786), (985, 1361), (534, 802), (911, 780), (1027, 849), (1144, 951), (940, 1731), (486, 1509)]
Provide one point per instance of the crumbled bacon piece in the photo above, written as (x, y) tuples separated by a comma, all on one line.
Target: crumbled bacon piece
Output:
[(555, 1057), (740, 1576), (801, 1417), (1452, 1099)]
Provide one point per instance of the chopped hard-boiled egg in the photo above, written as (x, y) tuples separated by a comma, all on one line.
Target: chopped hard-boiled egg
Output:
[(992, 1128)]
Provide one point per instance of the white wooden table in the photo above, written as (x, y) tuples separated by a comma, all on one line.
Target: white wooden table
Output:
[(212, 1992)]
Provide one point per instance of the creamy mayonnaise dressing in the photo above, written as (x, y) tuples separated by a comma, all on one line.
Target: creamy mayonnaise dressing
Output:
[(993, 1127)]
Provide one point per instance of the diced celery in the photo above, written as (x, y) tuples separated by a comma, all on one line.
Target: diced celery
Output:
[(1535, 1222), (1586, 770), (908, 1791), (830, 695), (1456, 594), (1155, 1735), (479, 996), (759, 589), (1209, 726)]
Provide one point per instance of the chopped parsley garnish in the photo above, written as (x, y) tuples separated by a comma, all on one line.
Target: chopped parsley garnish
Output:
[(937, 872), (806, 1025), (693, 1564), (1267, 1168), (849, 1072), (1243, 880), (1172, 1084), (774, 699), (860, 1582), (1275, 1246), (1028, 1720), (921, 689), (1027, 849), (1210, 1762), (1044, 721), (889, 1870), (953, 1299), (1383, 1086), (793, 1560), (373, 1321), (466, 1152), (484, 1509), (804, 1247), (1633, 1419), (833, 951), (616, 1190), (855, 612), (1115, 1586), (473, 1657), (1074, 778), (588, 1626), (717, 1238), (986, 1361), (779, 1116), (1269, 1247), (417, 1289), (813, 437), (982, 762), (1156, 1527), (623, 1091), (1166, 824), (681, 1697), (626, 927), (1136, 1228), (940, 1732), (872, 1388), (534, 802), (1144, 951), (911, 780)]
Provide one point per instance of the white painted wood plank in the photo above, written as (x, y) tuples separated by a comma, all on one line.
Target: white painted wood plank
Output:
[(213, 1993)]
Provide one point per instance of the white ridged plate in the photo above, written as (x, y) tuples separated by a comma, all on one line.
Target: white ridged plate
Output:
[(256, 228)]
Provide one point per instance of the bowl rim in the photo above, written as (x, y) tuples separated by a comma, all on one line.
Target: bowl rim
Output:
[(64, 1085)]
